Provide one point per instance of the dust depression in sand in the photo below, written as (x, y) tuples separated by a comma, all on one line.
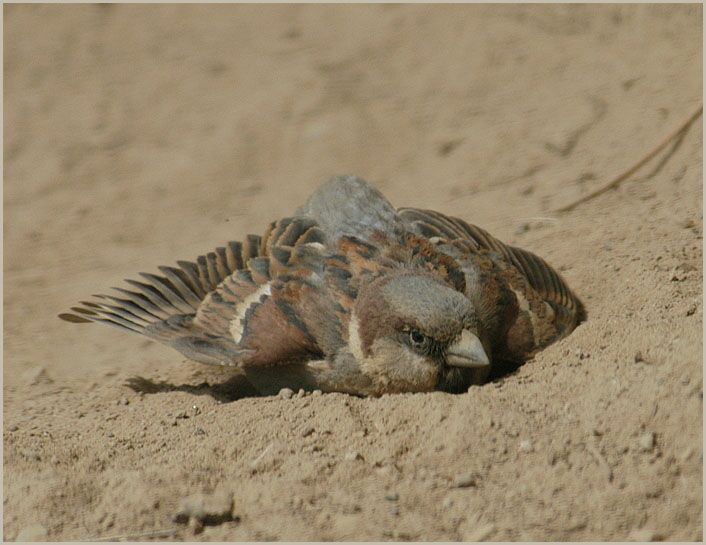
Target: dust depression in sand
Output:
[(136, 136)]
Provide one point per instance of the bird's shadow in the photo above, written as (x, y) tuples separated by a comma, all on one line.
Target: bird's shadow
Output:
[(233, 389), (238, 387), (503, 369)]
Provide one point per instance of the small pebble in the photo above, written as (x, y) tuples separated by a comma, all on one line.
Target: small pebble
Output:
[(110, 434), (195, 525), (687, 454), (35, 532), (480, 534), (646, 441), (448, 502), (692, 309), (352, 455), (653, 491), (639, 357), (36, 376), (316, 393), (301, 393), (526, 446), (522, 228), (200, 431), (13, 428), (205, 509), (181, 415), (394, 510), (685, 267), (286, 393), (678, 275), (464, 480), (123, 401), (392, 496), (308, 431), (641, 535)]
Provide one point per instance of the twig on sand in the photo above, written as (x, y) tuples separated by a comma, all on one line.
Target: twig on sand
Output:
[(541, 219), (261, 456), (167, 532), (677, 134)]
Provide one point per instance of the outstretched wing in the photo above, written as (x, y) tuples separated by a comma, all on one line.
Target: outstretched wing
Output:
[(545, 281), (202, 308), (156, 299)]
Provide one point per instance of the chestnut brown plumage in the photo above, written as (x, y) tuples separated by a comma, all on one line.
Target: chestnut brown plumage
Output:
[(351, 295)]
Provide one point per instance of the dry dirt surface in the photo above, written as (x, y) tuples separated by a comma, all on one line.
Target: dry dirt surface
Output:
[(139, 135)]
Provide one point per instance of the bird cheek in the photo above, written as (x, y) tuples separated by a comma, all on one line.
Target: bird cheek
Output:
[(397, 369)]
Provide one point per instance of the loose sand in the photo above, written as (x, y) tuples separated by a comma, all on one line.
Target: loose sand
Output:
[(139, 135)]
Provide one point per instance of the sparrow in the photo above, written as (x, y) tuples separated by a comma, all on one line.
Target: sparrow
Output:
[(352, 295)]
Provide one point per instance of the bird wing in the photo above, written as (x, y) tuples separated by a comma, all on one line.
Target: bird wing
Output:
[(348, 206), (209, 308), (543, 279)]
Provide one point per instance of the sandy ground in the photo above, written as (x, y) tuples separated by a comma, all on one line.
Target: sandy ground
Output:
[(135, 136)]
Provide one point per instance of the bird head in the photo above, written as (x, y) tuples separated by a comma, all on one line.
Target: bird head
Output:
[(410, 331)]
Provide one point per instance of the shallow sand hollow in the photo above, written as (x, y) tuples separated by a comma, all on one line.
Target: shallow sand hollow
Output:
[(139, 135)]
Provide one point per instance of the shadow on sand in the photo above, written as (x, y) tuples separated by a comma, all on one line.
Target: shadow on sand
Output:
[(234, 388), (238, 387)]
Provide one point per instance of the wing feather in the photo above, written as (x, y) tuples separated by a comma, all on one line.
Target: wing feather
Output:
[(540, 275), (207, 307)]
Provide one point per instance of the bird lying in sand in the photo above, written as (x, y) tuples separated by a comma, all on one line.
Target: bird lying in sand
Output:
[(351, 295)]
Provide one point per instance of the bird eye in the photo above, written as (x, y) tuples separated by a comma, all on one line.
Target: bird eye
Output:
[(416, 337)]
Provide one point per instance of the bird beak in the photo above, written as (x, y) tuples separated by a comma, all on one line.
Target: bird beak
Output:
[(467, 352)]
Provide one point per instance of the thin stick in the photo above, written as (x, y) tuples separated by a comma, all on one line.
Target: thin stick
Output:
[(167, 532), (540, 218), (629, 172), (261, 456)]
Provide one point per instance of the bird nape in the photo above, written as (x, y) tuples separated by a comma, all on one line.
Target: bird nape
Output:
[(352, 295)]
